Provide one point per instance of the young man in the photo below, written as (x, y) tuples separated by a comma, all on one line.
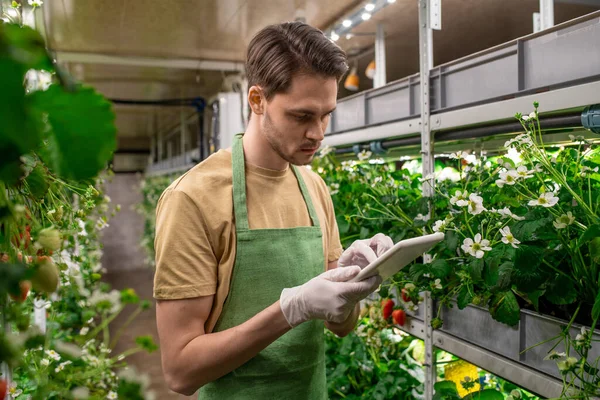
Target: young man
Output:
[(247, 246)]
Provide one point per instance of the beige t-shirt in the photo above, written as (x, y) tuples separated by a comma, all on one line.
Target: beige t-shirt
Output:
[(195, 238)]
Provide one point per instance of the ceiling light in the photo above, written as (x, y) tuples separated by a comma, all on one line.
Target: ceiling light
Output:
[(391, 1), (334, 36), (366, 16), (347, 23), (370, 7)]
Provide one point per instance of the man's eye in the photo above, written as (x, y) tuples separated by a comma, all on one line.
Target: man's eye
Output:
[(302, 118)]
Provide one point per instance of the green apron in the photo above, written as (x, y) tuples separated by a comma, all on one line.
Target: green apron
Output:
[(266, 262)]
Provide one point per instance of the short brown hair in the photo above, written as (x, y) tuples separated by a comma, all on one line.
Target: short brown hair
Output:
[(278, 52)]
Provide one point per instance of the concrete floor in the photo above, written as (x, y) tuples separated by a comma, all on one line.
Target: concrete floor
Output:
[(124, 260), (145, 324)]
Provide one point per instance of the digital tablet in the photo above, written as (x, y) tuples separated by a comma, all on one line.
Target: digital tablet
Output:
[(399, 256)]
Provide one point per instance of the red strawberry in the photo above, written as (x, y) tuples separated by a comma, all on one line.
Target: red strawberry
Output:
[(25, 288), (3, 388), (399, 317), (405, 296), (387, 307)]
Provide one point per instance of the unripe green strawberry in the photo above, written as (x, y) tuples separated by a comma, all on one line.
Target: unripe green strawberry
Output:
[(49, 239), (46, 276)]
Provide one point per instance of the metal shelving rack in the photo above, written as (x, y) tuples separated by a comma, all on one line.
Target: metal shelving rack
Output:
[(449, 103), (451, 108)]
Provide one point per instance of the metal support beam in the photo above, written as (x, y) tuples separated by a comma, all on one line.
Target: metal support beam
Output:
[(93, 58), (547, 13), (380, 73), (425, 45)]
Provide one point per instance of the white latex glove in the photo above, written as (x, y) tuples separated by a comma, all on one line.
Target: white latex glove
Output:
[(327, 296), (364, 252)]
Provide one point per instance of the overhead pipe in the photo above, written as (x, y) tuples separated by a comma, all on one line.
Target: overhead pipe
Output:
[(589, 119)]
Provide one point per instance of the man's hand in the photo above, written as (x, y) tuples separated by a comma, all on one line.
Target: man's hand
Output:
[(364, 252), (328, 296)]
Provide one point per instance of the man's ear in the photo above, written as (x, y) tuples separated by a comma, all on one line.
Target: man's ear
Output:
[(256, 100)]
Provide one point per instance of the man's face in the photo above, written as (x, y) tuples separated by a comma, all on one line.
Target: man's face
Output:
[(294, 122)]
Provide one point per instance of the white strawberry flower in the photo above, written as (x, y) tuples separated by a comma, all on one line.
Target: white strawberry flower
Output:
[(334, 188), (507, 178), (567, 364), (35, 3), (45, 362), (53, 354), (475, 204), (325, 150), (459, 196), (523, 173), (421, 217), (506, 213), (409, 287), (532, 115), (377, 180), (412, 306), (586, 170), (538, 168), (458, 155), (525, 118), (547, 199), (564, 220), (508, 238), (437, 284), (14, 391), (581, 338), (476, 246), (364, 155), (429, 177), (439, 226), (553, 355)]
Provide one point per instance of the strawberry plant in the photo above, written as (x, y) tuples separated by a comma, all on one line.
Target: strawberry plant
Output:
[(521, 232), (56, 138)]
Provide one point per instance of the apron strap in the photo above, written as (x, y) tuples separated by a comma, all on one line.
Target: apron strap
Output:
[(240, 207), (239, 185), (306, 194)]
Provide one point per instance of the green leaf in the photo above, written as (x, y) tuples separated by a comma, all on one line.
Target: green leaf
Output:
[(535, 298), (417, 270), (498, 277), (364, 232), (505, 308), (439, 268), (464, 297), (343, 225), (592, 232), (445, 390), (451, 240), (476, 268), (527, 273), (595, 250), (487, 394), (19, 130), (384, 291), (596, 309), (82, 131), (532, 230), (26, 46), (561, 291), (37, 182)]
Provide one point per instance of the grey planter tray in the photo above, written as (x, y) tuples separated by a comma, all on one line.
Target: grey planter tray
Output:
[(476, 326)]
